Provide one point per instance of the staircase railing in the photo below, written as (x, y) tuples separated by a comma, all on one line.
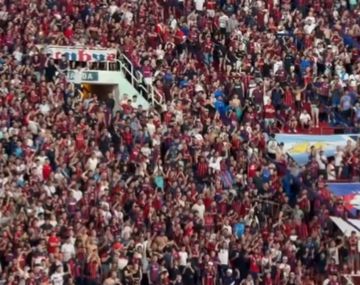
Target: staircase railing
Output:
[(136, 79), (148, 91)]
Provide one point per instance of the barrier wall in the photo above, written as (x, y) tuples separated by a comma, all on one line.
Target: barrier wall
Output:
[(110, 78)]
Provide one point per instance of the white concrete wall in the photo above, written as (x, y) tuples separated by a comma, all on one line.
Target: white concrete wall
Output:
[(123, 86)]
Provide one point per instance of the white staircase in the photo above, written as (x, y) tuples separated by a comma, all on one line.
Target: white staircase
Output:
[(121, 73)]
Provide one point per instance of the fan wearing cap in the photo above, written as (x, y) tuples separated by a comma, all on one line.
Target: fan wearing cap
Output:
[(230, 277)]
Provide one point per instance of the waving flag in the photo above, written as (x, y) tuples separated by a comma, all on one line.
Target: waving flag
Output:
[(298, 146), (350, 192)]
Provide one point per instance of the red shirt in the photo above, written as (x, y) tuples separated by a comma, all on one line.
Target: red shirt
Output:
[(208, 45), (202, 169), (80, 141), (147, 71), (252, 170), (353, 241), (53, 240), (254, 264), (269, 111), (302, 231), (210, 276), (179, 37), (69, 33), (46, 171), (127, 137)]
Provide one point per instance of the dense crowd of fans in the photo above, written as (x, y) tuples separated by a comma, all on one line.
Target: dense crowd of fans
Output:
[(198, 192)]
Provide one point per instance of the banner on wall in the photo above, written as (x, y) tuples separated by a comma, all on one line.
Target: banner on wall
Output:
[(82, 54), (298, 146), (84, 75)]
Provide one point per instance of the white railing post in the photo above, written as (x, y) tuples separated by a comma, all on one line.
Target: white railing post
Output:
[(132, 74), (127, 67), (152, 94)]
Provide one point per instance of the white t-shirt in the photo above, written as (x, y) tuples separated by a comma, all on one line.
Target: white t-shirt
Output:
[(339, 157), (277, 65), (309, 28), (44, 108), (126, 232), (183, 255), (321, 160), (57, 278), (228, 228), (305, 118), (50, 190), (77, 194), (77, 76), (18, 55), (128, 17), (92, 163), (223, 21), (200, 209), (334, 253), (331, 175), (122, 262), (113, 9), (173, 24), (67, 250), (199, 5), (272, 146), (223, 256), (151, 128), (214, 163), (310, 24)]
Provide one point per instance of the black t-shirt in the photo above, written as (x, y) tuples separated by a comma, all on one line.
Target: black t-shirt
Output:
[(266, 70), (239, 54), (173, 272), (188, 276), (46, 227), (50, 71), (228, 280), (242, 264), (220, 50), (231, 57), (110, 103), (288, 61), (63, 65)]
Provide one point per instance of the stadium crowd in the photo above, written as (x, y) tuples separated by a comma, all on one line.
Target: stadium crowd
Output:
[(198, 192)]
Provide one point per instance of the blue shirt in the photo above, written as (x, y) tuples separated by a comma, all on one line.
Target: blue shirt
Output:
[(185, 30), (239, 229), (305, 63), (220, 106), (276, 97), (18, 152), (168, 76), (348, 40), (266, 175), (346, 102), (218, 93), (183, 83)]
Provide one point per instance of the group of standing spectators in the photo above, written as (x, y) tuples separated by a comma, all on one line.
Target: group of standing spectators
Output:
[(193, 192)]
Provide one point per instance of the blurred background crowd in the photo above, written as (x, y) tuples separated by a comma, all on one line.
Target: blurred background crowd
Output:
[(197, 191)]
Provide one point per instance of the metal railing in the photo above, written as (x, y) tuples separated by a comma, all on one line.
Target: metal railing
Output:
[(135, 78), (95, 66)]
